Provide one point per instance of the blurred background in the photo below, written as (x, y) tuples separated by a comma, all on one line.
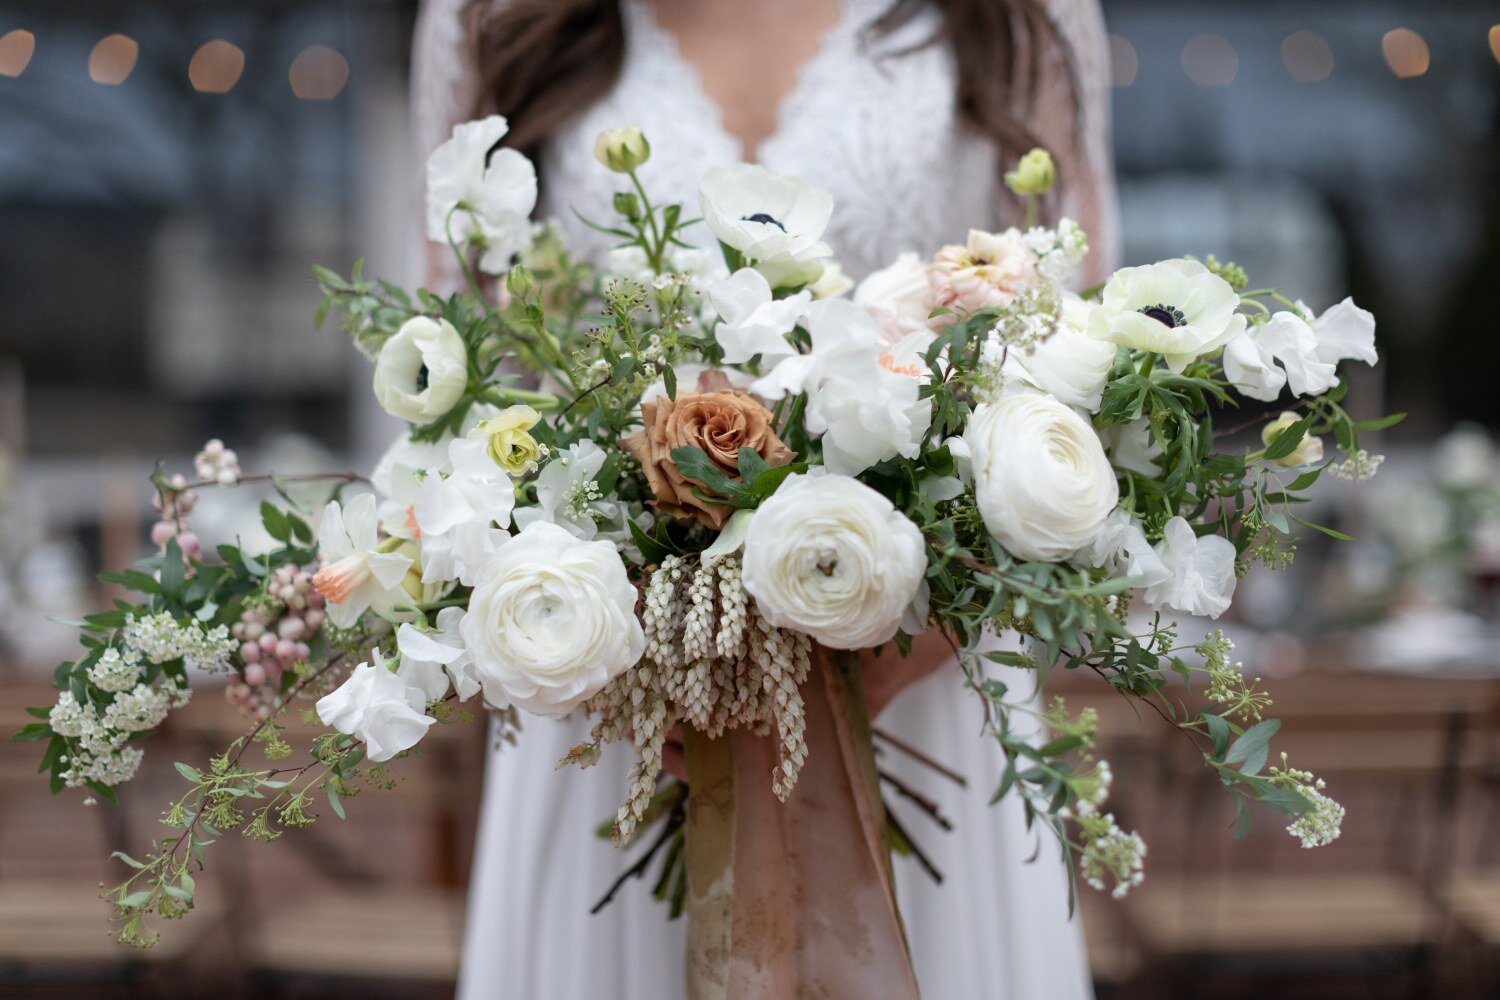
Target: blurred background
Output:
[(168, 171)]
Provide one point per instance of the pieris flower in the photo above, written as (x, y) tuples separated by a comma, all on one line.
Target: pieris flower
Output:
[(1041, 478), (864, 411), (829, 556), (422, 370), (1176, 308), (379, 709), (457, 513), (552, 621), (429, 661), (753, 322), (476, 196), (1201, 571), (766, 216), (356, 576)]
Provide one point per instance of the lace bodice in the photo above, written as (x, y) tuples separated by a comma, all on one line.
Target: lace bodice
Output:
[(878, 130)]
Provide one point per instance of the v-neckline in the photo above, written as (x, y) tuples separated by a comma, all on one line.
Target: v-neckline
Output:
[(646, 20)]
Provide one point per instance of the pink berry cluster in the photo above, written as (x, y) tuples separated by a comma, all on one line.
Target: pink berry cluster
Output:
[(274, 637), (174, 507)]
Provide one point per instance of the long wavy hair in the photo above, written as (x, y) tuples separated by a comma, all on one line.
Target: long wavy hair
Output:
[(998, 48)]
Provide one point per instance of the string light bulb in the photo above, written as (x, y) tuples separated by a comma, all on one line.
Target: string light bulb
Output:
[(318, 73), (1307, 56), (1124, 64), (16, 48), (1406, 53), (216, 67), (1210, 61), (113, 59)]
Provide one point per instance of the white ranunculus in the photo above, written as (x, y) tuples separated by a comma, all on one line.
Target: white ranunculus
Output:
[(1344, 331), (898, 296), (422, 370), (552, 621), (1200, 578), (1250, 359), (1176, 308), (1041, 478), (829, 556), (864, 411), (379, 709), (473, 195), (764, 215), (753, 321), (356, 576), (457, 513), (1069, 365), (430, 661)]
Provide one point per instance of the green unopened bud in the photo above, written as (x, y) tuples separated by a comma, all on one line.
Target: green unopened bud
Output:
[(627, 206), (520, 283), (622, 149), (1034, 175)]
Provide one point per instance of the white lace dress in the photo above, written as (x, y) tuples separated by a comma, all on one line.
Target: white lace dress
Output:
[(882, 136)]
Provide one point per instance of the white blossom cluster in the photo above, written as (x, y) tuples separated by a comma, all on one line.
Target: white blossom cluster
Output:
[(1111, 853), (1320, 825), (1059, 251), (1359, 467), (217, 464), (98, 741), (115, 671), (160, 638), (712, 661)]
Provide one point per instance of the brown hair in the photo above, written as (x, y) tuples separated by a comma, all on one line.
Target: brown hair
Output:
[(998, 47)]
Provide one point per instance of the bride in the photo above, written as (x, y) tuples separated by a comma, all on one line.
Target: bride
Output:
[(905, 110)]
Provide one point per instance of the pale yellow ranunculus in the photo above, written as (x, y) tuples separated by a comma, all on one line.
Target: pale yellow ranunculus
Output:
[(509, 441)]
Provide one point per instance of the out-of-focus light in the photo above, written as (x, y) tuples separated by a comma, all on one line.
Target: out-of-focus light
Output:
[(1405, 52), (318, 73), (216, 67), (1495, 42), (16, 48), (1210, 61), (113, 59), (1307, 56), (1124, 64)]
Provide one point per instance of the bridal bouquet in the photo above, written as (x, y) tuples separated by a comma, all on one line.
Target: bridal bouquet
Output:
[(663, 491)]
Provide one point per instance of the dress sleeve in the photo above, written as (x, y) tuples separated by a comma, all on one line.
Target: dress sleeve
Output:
[(444, 86), (1073, 120)]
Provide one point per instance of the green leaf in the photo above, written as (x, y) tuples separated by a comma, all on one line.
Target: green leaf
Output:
[(695, 464), (1218, 731), (1330, 532), (1251, 748), (751, 466), (32, 732), (1286, 442), (188, 771), (173, 571), (669, 379), (132, 862), (1380, 423), (277, 525), (334, 802)]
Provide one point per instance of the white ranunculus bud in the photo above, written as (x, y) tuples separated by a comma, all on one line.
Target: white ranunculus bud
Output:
[(829, 556), (1041, 478), (378, 708), (551, 621), (422, 370), (622, 149), (1176, 308), (1309, 450), (1034, 174)]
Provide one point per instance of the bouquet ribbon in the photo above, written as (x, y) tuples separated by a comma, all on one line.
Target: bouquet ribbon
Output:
[(796, 899)]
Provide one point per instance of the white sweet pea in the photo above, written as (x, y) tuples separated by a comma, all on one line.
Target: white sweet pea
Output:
[(1131, 446), (552, 621), (765, 216), (1250, 359), (829, 556), (1176, 308), (356, 576), (864, 411), (567, 493), (1042, 481), (430, 661), (457, 513), (1123, 550), (376, 707), (477, 196), (754, 322), (422, 370), (898, 297), (1344, 331), (832, 283), (1069, 365), (1201, 572)]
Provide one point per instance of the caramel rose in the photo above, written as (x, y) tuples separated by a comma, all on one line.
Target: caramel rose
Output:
[(718, 419)]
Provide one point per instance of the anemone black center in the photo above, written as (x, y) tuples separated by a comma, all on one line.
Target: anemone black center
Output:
[(1166, 315), (422, 374), (769, 220)]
